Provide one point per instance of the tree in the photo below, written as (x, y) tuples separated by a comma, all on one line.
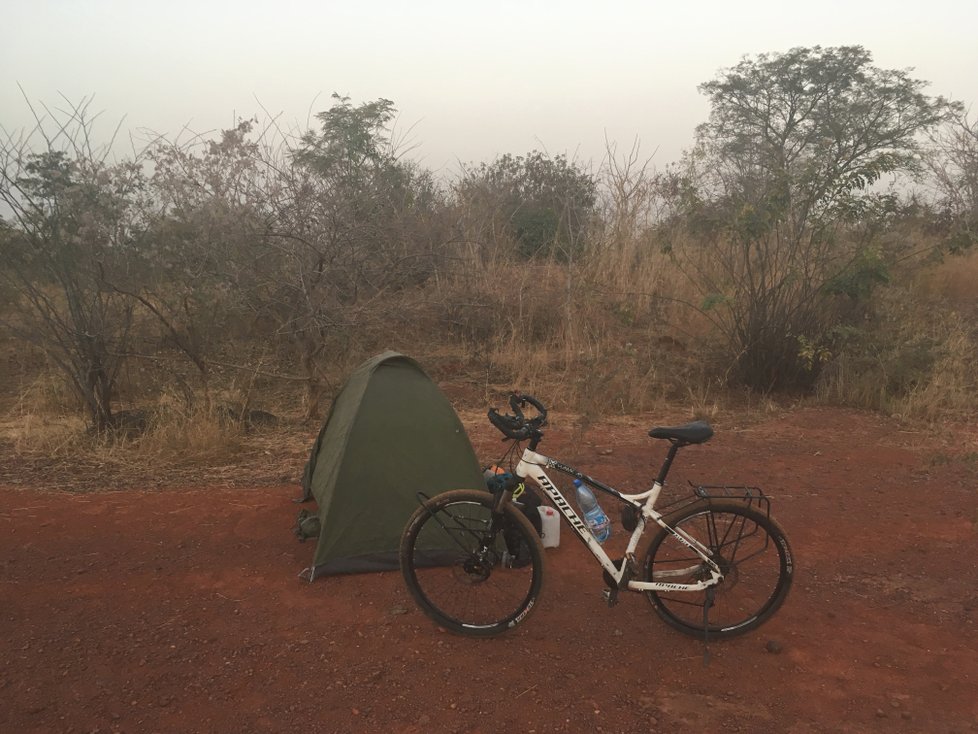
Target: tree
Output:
[(72, 219), (544, 203), (354, 225), (365, 202), (301, 236), (789, 157), (204, 226), (351, 141), (953, 164)]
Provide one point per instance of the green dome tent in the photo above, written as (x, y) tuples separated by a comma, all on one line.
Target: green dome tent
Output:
[(390, 434)]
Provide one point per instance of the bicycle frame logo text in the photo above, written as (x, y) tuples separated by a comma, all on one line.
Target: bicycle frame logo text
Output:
[(564, 507)]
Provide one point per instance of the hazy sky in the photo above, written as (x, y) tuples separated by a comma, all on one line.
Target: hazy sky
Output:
[(470, 80)]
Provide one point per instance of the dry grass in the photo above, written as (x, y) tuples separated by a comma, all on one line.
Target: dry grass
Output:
[(954, 282), (950, 389), (33, 432), (193, 432), (608, 335), (178, 448), (44, 419), (602, 335), (919, 357), (54, 447)]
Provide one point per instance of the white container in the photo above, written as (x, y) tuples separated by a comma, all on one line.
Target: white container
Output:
[(551, 526)]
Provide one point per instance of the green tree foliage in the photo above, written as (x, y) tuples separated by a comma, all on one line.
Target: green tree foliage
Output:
[(785, 164), (352, 141), (544, 203), (800, 135)]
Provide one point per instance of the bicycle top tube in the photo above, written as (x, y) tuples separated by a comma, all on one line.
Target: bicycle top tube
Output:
[(536, 459)]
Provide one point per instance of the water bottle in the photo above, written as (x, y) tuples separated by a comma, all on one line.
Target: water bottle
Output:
[(594, 516)]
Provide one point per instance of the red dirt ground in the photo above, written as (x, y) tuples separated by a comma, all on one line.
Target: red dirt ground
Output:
[(179, 610)]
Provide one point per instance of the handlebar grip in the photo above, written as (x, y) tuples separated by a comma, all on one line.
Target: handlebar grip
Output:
[(508, 425), (515, 401), (537, 405)]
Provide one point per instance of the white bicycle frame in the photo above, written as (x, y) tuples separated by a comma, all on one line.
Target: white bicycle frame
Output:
[(531, 466)]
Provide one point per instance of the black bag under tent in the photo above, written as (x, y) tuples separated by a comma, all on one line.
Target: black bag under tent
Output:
[(390, 434)]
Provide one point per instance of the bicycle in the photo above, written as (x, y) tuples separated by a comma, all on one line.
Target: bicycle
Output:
[(719, 565)]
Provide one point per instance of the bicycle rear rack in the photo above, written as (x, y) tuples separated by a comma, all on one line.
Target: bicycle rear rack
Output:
[(751, 496)]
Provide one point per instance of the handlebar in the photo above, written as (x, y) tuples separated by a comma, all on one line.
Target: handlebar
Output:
[(517, 426)]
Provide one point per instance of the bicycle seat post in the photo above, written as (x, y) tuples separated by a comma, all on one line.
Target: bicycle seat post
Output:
[(679, 436), (667, 464)]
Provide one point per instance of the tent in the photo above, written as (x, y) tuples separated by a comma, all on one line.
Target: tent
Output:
[(390, 433)]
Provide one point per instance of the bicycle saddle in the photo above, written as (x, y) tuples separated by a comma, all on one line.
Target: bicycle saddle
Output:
[(695, 432)]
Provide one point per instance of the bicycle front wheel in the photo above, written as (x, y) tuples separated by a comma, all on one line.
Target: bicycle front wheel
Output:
[(474, 572), (752, 553)]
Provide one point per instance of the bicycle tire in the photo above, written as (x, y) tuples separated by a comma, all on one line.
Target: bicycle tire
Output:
[(470, 578), (753, 553)]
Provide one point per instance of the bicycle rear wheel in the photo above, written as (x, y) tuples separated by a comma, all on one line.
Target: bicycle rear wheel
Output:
[(472, 572), (752, 552)]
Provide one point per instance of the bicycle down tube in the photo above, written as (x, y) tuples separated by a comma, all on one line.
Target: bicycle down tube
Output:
[(531, 466)]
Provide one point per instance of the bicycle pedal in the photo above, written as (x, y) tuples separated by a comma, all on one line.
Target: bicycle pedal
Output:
[(610, 596)]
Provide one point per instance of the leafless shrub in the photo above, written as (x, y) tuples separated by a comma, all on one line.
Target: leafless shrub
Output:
[(953, 164), (72, 221)]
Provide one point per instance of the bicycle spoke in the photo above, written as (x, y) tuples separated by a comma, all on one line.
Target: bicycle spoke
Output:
[(466, 574), (754, 569)]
